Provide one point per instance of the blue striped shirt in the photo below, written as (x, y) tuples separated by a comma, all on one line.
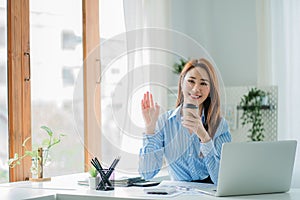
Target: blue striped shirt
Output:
[(187, 158)]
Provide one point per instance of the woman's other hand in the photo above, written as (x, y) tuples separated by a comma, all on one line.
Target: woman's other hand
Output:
[(194, 123), (150, 112)]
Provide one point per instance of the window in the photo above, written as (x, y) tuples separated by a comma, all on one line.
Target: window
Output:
[(3, 95), (56, 60)]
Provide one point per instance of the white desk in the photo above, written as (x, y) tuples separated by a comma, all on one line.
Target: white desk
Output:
[(66, 188)]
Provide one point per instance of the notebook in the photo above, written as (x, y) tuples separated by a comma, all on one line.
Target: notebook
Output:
[(254, 168)]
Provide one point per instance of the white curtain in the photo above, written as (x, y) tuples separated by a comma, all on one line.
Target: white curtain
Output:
[(139, 15), (263, 21), (285, 51)]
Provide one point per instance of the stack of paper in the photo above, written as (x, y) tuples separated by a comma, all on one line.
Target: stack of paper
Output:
[(126, 181)]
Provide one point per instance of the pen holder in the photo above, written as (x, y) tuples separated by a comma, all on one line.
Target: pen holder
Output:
[(105, 174), (106, 183)]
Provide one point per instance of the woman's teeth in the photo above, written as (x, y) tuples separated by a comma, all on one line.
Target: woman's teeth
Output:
[(195, 96)]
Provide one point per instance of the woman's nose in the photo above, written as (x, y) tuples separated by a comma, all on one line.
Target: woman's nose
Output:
[(197, 87)]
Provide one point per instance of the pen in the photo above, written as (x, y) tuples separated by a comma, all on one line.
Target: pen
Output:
[(113, 165), (111, 169), (105, 176), (95, 162), (162, 193)]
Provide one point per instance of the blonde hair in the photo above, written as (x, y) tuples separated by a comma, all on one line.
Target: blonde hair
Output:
[(211, 105)]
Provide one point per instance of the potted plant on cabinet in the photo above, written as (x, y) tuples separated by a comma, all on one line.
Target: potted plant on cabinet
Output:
[(178, 66), (252, 104), (39, 154)]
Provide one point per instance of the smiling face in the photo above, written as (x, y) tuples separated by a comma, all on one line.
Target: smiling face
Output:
[(195, 86)]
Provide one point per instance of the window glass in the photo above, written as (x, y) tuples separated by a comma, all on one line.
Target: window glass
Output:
[(3, 95), (56, 60)]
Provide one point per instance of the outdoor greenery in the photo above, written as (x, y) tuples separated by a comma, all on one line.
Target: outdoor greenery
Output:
[(251, 104), (47, 144)]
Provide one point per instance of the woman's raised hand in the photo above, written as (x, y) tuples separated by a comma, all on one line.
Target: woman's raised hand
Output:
[(150, 112)]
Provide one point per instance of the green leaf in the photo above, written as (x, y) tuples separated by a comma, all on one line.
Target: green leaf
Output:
[(46, 142), (93, 172), (178, 66), (34, 153), (48, 130), (29, 153), (10, 161), (16, 156), (251, 104), (56, 140)]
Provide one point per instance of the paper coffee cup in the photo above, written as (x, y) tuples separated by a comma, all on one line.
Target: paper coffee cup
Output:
[(186, 108)]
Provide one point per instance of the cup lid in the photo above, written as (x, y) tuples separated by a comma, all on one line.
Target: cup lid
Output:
[(189, 105)]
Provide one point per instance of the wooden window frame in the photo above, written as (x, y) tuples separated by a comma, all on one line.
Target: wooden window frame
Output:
[(19, 104), (91, 74), (19, 84)]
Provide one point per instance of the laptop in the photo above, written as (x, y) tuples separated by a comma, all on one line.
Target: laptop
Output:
[(254, 168)]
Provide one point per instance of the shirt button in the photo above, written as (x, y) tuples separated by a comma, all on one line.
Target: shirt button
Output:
[(190, 154)]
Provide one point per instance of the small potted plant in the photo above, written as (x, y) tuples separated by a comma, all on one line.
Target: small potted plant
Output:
[(252, 104), (39, 154), (178, 66), (94, 178)]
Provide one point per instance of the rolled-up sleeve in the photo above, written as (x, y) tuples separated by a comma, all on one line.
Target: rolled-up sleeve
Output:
[(206, 148), (152, 152), (151, 156), (212, 150)]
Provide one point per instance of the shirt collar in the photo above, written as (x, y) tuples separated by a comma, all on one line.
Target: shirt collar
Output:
[(175, 112)]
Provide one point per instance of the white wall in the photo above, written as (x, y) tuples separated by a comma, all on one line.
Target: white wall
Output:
[(232, 31), (227, 30)]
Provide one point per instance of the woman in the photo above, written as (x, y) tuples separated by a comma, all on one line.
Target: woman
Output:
[(191, 143)]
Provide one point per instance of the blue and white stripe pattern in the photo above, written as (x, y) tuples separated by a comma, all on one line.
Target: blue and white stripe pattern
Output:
[(187, 158)]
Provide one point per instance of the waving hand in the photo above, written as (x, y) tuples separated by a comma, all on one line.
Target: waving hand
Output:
[(150, 112)]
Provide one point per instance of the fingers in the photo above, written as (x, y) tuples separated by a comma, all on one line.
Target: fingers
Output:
[(151, 101), (189, 119), (149, 108), (189, 122), (147, 101), (190, 125), (193, 112), (142, 104)]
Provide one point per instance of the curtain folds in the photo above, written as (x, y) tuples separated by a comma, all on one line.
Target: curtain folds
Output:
[(139, 15), (285, 50)]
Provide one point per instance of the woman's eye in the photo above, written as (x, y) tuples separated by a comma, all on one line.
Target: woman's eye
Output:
[(203, 83), (191, 81)]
